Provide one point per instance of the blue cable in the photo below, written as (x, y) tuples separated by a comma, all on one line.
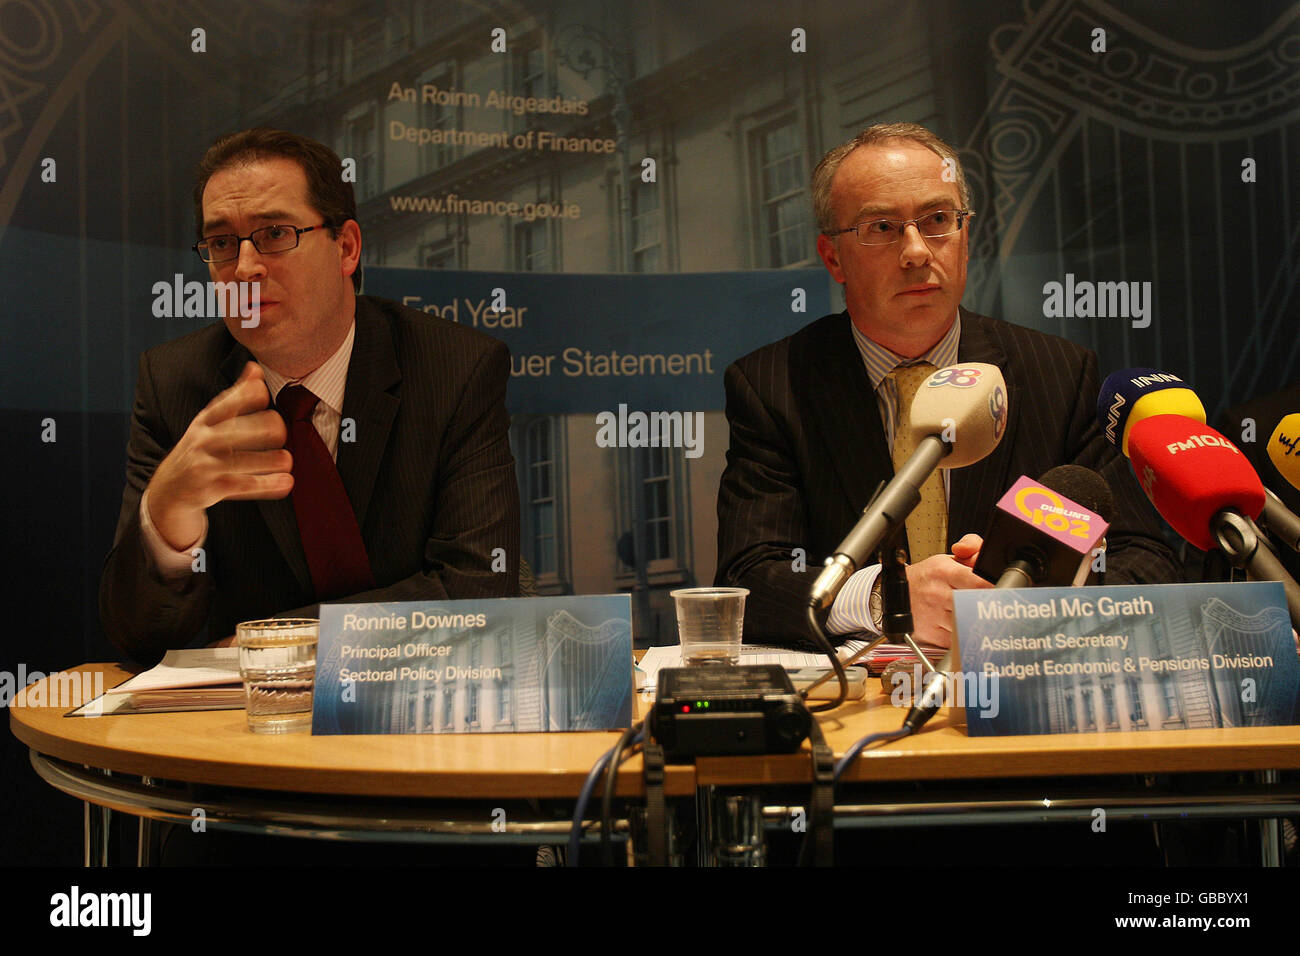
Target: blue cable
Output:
[(584, 796), (580, 808), (851, 754)]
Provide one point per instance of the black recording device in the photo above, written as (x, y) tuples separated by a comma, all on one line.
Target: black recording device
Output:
[(724, 709)]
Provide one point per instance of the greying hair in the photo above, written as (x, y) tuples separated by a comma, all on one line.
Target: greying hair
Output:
[(872, 135)]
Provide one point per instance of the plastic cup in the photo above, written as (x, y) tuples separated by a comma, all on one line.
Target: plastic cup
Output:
[(710, 624)]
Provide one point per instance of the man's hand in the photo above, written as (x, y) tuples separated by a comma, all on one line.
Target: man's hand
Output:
[(931, 583), (233, 449)]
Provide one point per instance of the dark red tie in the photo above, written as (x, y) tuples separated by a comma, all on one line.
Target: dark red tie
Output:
[(336, 555)]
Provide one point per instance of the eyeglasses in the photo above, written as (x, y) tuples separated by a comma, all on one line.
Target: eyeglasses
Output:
[(264, 240), (933, 225)]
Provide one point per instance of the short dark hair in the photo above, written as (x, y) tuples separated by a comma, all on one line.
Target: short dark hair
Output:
[(327, 191)]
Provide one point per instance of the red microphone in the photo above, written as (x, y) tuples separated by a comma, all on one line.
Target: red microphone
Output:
[(1209, 493), (1191, 473)]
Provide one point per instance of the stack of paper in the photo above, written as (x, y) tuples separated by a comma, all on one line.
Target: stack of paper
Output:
[(205, 678), (885, 654), (657, 658)]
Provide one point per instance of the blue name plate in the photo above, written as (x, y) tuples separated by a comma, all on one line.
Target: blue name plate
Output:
[(1133, 657), (510, 665)]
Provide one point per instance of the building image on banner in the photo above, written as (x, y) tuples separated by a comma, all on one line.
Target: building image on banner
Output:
[(1084, 692), (1140, 151)]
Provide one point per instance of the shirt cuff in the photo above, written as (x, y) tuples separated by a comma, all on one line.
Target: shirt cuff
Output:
[(171, 565), (852, 608)]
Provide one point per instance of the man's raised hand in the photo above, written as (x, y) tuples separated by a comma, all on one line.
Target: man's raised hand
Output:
[(232, 450), (930, 584)]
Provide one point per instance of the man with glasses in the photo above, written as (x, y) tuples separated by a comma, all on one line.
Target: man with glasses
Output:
[(329, 447), (815, 418)]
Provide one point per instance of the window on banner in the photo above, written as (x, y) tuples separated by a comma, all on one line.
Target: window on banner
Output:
[(785, 226), (435, 115), (646, 226), (361, 142)]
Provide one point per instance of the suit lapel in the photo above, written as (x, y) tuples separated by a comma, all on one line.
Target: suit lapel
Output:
[(370, 401), (985, 480), (832, 387), (278, 515), (372, 374)]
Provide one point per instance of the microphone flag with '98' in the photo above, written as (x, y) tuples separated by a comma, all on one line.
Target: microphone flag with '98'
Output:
[(958, 417), (1190, 473), (1132, 395), (966, 406), (1284, 449)]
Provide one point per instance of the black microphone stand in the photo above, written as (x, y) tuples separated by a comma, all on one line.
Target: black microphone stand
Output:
[(1245, 547), (896, 599), (896, 624)]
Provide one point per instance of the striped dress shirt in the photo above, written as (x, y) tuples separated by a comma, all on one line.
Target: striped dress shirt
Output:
[(851, 611)]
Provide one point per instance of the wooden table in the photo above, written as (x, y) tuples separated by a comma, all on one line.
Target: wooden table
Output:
[(444, 787), (428, 787), (944, 751), (1047, 778)]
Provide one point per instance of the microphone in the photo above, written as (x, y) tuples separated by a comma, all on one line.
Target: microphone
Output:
[(1134, 394), (1282, 450), (1280, 520), (1191, 474), (959, 414), (1202, 484), (1043, 532)]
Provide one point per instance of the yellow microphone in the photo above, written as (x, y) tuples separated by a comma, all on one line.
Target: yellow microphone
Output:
[(1284, 449)]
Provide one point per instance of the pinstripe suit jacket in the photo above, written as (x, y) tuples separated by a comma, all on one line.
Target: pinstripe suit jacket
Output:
[(430, 477), (808, 450)]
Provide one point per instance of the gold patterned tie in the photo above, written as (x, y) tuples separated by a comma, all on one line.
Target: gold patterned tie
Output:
[(927, 525)]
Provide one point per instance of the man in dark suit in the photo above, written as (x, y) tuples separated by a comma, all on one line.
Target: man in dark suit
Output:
[(813, 416), (329, 447)]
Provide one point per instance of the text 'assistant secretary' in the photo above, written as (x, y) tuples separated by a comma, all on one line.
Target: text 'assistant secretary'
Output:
[(820, 419), (320, 446)]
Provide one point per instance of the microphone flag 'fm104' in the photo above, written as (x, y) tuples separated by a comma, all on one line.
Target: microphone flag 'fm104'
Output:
[(1191, 473)]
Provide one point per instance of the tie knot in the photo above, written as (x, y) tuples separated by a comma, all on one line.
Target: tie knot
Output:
[(296, 403), (909, 379)]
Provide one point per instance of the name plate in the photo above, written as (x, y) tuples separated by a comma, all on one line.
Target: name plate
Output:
[(509, 665), (1132, 657)]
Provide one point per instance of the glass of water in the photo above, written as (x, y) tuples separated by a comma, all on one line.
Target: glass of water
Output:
[(710, 622), (277, 661)]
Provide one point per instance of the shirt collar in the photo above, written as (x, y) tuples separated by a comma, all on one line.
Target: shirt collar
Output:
[(880, 361), (327, 382)]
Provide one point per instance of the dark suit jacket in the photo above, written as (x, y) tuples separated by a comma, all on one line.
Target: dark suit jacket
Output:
[(808, 450), (430, 477)]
